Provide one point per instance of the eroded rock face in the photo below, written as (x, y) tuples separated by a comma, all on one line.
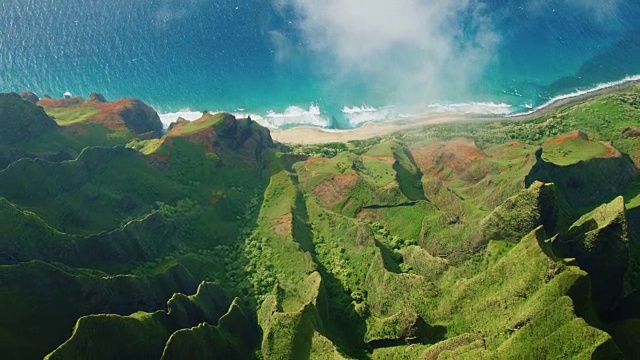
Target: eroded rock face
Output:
[(133, 114), (631, 132), (228, 137), (599, 242), (585, 183), (521, 214), (29, 96), (140, 118), (95, 97)]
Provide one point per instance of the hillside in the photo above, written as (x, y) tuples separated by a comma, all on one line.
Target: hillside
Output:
[(499, 240)]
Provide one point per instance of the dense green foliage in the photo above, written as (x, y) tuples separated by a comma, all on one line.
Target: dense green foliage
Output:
[(513, 239)]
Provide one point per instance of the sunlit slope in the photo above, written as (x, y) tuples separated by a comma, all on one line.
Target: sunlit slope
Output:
[(481, 240)]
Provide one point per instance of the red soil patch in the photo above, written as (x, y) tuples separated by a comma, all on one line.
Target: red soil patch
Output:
[(577, 134), (369, 215), (58, 103), (284, 225), (109, 114), (460, 155), (611, 151), (311, 161), (333, 191)]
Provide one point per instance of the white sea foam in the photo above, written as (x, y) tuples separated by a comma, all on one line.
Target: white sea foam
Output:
[(357, 115), (579, 93), (481, 108), (294, 115), (358, 109), (186, 114)]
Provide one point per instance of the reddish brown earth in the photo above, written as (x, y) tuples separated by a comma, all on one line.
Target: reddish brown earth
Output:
[(577, 134), (57, 103), (459, 155), (116, 115), (610, 152), (334, 190), (284, 225), (230, 138)]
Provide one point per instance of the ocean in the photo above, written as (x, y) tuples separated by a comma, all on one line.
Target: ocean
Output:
[(333, 63)]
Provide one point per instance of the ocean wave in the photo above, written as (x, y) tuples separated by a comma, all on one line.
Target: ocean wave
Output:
[(358, 109), (481, 108), (293, 115), (186, 114), (577, 93), (358, 115)]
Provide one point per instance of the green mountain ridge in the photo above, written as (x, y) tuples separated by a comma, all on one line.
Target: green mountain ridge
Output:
[(513, 239)]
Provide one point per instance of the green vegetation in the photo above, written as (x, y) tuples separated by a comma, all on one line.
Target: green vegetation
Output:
[(205, 122), (572, 151), (501, 240), (67, 116)]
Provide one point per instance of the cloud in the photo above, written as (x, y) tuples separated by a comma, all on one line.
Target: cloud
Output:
[(281, 44), (601, 10), (171, 11), (414, 50)]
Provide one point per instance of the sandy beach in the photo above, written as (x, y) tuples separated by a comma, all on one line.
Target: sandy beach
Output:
[(312, 135)]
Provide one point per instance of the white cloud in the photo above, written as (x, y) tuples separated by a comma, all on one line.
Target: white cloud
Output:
[(174, 10), (419, 50), (282, 45)]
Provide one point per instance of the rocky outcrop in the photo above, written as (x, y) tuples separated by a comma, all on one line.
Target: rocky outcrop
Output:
[(521, 214), (585, 183), (48, 101), (180, 122), (631, 132), (29, 96), (599, 242), (21, 120), (172, 334), (95, 97), (226, 136), (132, 114), (138, 117)]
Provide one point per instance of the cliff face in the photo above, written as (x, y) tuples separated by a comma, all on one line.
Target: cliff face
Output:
[(226, 136), (29, 96), (138, 117), (132, 114), (21, 120), (585, 182), (599, 241)]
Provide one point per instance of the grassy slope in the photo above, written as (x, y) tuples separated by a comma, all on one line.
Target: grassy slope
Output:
[(68, 116), (352, 252), (572, 151)]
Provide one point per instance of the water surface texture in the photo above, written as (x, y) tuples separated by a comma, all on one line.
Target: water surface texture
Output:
[(331, 63)]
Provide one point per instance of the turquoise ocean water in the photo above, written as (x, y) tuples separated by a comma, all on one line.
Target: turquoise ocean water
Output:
[(338, 64)]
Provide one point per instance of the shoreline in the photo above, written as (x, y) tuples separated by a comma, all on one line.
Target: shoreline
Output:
[(310, 135)]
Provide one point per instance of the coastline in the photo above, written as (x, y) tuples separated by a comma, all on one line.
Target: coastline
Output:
[(309, 135)]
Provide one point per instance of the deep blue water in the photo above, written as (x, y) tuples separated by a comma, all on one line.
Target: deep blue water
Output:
[(292, 61)]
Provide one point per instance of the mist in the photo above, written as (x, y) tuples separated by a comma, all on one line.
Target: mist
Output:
[(407, 51)]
